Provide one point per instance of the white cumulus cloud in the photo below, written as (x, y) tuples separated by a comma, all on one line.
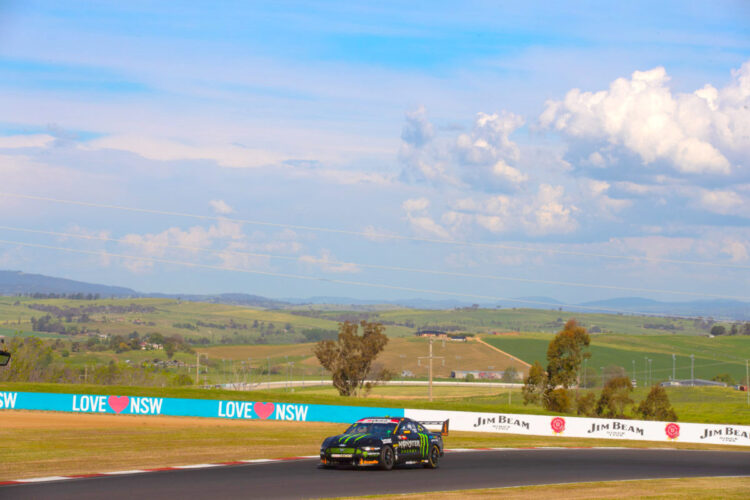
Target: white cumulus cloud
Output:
[(696, 133)]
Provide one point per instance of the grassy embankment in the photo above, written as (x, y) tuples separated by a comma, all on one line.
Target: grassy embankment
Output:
[(696, 488)]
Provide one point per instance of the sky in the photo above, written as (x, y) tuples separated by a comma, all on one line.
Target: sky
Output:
[(479, 151)]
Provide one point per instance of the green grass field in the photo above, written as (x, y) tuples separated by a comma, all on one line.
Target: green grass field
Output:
[(713, 356)]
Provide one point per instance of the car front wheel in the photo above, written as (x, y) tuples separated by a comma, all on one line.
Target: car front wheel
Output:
[(387, 458)]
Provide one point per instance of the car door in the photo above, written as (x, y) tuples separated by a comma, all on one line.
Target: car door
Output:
[(408, 442), (424, 441)]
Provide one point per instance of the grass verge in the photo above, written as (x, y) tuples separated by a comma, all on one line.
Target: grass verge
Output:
[(39, 443), (699, 488)]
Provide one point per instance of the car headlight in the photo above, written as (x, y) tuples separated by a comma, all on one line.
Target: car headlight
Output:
[(371, 448)]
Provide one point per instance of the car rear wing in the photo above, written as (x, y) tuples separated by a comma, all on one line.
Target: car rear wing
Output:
[(442, 424)]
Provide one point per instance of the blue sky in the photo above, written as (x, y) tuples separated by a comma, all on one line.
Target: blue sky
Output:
[(537, 139)]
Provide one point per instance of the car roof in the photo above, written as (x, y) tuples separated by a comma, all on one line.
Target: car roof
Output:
[(381, 420)]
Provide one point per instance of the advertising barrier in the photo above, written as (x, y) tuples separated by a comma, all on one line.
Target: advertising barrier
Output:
[(541, 425), (535, 425), (136, 405)]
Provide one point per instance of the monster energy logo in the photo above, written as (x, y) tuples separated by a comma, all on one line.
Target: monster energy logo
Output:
[(356, 438), (423, 445)]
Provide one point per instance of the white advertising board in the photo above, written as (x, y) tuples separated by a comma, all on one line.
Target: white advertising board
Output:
[(542, 425)]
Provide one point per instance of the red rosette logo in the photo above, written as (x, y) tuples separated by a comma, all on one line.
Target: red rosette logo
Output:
[(558, 425), (672, 430)]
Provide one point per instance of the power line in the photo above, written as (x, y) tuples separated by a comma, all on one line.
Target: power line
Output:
[(375, 235), (375, 266), (330, 280)]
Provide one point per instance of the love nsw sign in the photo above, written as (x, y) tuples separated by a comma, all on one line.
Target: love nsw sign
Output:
[(215, 408)]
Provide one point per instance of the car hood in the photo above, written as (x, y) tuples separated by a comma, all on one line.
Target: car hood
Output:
[(353, 440)]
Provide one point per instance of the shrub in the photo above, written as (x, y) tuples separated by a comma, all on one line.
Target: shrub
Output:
[(656, 406)]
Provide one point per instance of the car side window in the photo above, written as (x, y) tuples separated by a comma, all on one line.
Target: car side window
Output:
[(421, 429), (409, 426)]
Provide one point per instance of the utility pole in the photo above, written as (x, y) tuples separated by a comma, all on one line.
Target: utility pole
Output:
[(584, 371), (674, 361), (747, 382), (692, 370), (430, 357), (197, 368), (650, 373), (634, 379), (249, 371)]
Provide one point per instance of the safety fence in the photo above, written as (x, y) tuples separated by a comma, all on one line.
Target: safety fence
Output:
[(534, 425)]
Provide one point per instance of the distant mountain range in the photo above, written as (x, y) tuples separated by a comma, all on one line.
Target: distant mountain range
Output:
[(17, 282)]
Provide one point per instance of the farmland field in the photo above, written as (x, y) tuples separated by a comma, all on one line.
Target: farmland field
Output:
[(713, 356)]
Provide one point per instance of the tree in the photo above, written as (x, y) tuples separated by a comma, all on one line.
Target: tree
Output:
[(170, 348), (588, 378), (510, 374), (350, 357), (724, 377), (558, 400), (613, 371), (718, 330), (614, 398), (565, 355), (535, 384), (656, 406), (585, 404)]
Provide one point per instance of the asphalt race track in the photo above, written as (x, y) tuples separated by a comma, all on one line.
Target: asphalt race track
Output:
[(464, 470)]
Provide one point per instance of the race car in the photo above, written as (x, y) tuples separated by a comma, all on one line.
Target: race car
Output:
[(385, 442)]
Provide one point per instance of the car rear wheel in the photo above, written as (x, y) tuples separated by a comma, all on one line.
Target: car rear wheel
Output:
[(387, 458), (433, 457)]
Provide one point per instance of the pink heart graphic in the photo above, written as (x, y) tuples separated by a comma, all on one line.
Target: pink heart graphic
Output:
[(263, 410), (118, 403)]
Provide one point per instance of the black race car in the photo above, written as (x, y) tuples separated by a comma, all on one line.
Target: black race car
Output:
[(384, 442)]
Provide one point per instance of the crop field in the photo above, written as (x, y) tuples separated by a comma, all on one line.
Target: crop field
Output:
[(166, 316), (537, 320), (713, 356)]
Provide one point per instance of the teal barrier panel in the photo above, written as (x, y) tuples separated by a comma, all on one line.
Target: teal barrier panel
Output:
[(214, 408)]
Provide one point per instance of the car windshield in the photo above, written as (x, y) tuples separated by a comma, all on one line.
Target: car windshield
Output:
[(371, 428)]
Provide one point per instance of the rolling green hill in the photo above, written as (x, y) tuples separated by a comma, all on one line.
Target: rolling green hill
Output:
[(713, 356)]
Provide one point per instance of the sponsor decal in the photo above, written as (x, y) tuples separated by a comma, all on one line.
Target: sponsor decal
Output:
[(502, 423), (726, 434), (144, 406), (8, 400), (118, 403), (235, 409), (616, 429), (290, 412), (263, 410), (92, 404), (558, 425), (672, 431)]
